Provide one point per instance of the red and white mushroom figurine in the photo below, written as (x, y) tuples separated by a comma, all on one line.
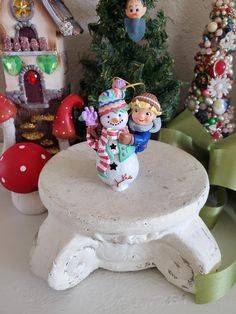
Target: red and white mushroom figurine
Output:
[(63, 126), (7, 114), (20, 167)]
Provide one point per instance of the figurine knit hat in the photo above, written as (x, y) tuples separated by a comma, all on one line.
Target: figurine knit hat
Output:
[(111, 100), (149, 99)]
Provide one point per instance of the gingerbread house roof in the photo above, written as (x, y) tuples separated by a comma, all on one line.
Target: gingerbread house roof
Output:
[(62, 17)]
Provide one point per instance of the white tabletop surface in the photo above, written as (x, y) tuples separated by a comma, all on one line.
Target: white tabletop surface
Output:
[(104, 292), (171, 186)]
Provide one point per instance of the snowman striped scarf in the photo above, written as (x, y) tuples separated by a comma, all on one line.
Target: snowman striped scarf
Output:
[(100, 145)]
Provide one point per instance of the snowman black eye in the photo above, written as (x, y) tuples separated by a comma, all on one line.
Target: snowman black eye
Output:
[(108, 117), (119, 115)]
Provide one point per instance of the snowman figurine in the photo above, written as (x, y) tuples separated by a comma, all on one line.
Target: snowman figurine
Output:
[(116, 164)]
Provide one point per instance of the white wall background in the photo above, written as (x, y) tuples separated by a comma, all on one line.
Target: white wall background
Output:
[(186, 20)]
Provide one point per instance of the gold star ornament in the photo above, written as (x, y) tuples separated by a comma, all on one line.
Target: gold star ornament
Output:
[(22, 8)]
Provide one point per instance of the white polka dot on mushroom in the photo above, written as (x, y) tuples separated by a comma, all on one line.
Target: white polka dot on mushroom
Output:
[(3, 180), (1, 158), (21, 146), (43, 156), (23, 168)]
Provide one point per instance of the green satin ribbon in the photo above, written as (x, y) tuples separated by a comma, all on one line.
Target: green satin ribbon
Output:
[(210, 214), (187, 133), (214, 286)]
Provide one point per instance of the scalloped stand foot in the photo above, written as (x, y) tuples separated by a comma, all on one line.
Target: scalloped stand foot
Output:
[(187, 252), (62, 257), (28, 204)]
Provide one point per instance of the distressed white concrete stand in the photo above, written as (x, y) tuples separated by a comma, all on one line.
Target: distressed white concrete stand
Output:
[(155, 223)]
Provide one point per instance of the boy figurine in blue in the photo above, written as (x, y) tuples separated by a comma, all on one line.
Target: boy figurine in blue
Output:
[(135, 24), (144, 120)]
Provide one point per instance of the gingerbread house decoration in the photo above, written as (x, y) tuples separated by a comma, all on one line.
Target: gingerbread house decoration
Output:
[(33, 58)]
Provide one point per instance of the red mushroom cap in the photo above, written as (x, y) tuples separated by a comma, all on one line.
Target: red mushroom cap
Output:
[(7, 109), (20, 167), (63, 126)]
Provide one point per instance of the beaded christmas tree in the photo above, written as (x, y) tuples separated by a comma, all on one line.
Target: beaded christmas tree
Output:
[(143, 59), (209, 94)]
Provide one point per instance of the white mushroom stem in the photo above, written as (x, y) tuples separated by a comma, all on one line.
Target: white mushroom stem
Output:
[(9, 134), (28, 204), (63, 144)]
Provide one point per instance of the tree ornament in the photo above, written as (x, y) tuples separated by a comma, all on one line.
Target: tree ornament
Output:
[(205, 93), (201, 81), (220, 106), (212, 27), (220, 67), (48, 64), (12, 64), (212, 121), (135, 24)]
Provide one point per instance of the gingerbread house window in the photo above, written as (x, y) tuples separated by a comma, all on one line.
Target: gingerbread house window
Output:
[(27, 32)]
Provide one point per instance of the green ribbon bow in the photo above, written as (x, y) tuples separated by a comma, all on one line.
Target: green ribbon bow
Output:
[(219, 158)]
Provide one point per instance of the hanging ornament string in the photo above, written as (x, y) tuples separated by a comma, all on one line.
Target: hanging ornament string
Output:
[(123, 84)]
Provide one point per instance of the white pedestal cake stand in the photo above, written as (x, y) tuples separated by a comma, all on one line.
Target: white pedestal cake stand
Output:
[(155, 223)]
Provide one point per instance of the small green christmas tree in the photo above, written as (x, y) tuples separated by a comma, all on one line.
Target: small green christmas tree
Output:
[(117, 55)]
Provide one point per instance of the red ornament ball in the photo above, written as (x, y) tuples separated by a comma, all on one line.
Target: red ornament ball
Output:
[(205, 93), (21, 165), (216, 135), (220, 67), (32, 78)]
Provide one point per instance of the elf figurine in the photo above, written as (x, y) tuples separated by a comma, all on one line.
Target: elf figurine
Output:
[(144, 121), (135, 24)]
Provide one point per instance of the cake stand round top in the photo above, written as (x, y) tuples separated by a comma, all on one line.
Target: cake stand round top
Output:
[(172, 186)]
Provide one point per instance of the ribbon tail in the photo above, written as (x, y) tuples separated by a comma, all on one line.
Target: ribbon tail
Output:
[(222, 163), (214, 286)]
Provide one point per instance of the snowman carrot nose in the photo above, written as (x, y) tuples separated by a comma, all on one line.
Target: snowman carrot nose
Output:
[(115, 120)]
